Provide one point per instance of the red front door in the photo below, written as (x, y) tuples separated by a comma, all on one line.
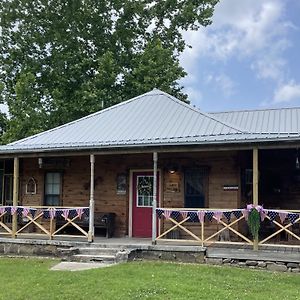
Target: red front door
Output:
[(142, 192)]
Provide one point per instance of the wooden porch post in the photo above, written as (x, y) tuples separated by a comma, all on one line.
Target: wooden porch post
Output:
[(15, 196), (255, 187), (154, 203), (92, 202)]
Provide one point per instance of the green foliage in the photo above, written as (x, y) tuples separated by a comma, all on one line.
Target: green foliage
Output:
[(254, 222), (61, 60), (32, 279)]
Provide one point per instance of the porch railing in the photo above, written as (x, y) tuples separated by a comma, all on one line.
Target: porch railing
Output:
[(41, 220), (228, 226)]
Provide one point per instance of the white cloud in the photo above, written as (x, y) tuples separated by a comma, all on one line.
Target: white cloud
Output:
[(287, 92), (239, 27), (223, 83), (254, 32), (269, 67)]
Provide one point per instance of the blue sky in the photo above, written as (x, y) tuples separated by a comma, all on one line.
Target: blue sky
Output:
[(248, 58)]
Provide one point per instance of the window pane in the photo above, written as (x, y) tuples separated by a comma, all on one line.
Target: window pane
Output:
[(56, 178), (55, 189), (51, 200)]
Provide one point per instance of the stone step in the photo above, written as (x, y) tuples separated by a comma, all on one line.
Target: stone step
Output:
[(98, 251), (94, 258)]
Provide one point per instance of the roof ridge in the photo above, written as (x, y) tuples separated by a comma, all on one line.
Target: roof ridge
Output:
[(202, 113), (80, 119), (252, 110)]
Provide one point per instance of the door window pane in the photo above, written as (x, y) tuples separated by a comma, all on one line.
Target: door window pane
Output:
[(144, 190)]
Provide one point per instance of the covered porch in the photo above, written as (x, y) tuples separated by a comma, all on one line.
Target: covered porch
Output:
[(198, 196)]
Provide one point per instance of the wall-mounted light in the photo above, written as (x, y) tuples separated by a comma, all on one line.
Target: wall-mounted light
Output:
[(172, 168)]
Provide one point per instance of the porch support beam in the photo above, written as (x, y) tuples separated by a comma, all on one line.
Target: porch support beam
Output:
[(255, 176), (15, 195), (154, 203), (255, 187), (92, 201)]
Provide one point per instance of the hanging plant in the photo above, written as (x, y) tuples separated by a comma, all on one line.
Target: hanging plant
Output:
[(254, 222)]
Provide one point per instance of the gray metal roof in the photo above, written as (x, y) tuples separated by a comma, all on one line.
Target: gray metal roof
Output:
[(277, 121), (157, 119)]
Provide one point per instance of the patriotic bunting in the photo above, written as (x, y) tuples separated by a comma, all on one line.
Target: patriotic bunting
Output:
[(184, 214), (25, 212), (167, 214), (32, 211), (263, 214), (46, 214), (209, 215), (193, 216), (176, 215), (272, 215), (159, 212), (13, 210), (52, 213), (79, 212), (2, 210), (19, 211), (293, 217), (201, 215), (86, 211), (218, 215), (245, 213), (237, 213), (65, 213), (227, 215), (282, 216)]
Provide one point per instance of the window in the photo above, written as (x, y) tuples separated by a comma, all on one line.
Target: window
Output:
[(52, 188), (6, 182), (31, 186), (194, 187), (246, 184)]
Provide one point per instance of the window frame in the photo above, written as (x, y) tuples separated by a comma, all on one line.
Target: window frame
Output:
[(205, 181), (45, 203)]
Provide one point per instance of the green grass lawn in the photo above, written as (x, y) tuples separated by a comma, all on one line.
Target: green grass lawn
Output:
[(31, 279)]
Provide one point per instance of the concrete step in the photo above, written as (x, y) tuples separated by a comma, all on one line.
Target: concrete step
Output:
[(94, 258)]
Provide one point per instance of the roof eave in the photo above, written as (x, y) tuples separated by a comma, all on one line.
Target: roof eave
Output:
[(119, 147)]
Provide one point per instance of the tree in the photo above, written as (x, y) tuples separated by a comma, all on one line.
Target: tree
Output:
[(63, 59)]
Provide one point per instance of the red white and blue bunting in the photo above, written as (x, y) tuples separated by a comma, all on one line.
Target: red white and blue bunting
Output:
[(48, 213), (210, 215)]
